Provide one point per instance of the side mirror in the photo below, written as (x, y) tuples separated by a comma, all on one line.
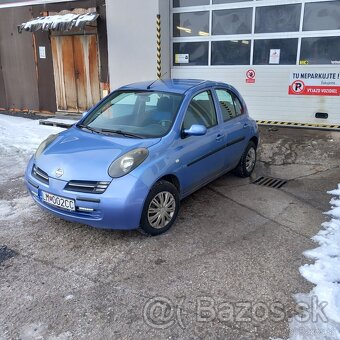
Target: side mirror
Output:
[(84, 114), (195, 130)]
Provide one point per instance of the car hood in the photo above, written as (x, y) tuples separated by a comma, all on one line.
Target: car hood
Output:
[(86, 156)]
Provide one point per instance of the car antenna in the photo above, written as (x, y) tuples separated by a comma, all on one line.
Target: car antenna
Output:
[(161, 78), (149, 86)]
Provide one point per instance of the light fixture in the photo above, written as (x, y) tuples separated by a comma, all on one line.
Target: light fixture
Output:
[(185, 29)]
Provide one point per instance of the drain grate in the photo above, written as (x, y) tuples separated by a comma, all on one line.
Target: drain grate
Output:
[(6, 253), (270, 182)]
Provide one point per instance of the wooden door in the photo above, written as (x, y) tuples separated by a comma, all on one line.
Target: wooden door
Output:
[(64, 73), (75, 65)]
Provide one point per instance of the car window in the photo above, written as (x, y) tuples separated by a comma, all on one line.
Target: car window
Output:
[(119, 106), (226, 104), (201, 111), (153, 102), (230, 104), (238, 106), (143, 113)]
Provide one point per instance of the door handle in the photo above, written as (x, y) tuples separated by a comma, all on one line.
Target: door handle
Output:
[(219, 137), (245, 125)]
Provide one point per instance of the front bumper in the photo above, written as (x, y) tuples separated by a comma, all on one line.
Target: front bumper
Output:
[(119, 207)]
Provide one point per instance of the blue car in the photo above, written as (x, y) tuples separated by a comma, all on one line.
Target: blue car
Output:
[(131, 159)]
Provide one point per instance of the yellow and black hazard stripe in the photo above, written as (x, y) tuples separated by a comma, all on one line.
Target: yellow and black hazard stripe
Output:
[(295, 124), (159, 51)]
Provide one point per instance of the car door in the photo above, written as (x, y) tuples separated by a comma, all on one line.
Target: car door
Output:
[(201, 156), (234, 126)]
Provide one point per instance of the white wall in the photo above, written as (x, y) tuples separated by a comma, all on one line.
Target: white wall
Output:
[(268, 98), (132, 57), (164, 11), (131, 31)]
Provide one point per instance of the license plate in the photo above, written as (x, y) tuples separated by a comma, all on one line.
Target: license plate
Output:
[(57, 201)]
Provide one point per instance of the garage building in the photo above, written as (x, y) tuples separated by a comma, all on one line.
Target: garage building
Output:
[(282, 55)]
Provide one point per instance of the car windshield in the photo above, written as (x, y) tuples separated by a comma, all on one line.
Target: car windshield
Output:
[(142, 114)]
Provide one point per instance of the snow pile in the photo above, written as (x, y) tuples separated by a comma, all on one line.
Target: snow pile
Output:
[(321, 316), (22, 135), (63, 22), (17, 208), (19, 138)]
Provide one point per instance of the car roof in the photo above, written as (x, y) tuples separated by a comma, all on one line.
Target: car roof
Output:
[(171, 85)]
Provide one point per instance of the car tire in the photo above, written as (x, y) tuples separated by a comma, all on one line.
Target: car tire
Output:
[(160, 208), (247, 162)]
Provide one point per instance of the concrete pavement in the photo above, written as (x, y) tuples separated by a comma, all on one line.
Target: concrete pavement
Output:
[(226, 270)]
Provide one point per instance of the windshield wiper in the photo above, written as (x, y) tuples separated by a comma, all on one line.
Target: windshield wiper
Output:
[(82, 126), (120, 132)]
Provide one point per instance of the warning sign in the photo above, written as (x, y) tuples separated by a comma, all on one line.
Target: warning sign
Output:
[(274, 56), (298, 86), (314, 83), (250, 76)]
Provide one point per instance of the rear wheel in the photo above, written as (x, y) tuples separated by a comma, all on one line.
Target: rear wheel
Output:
[(248, 160), (160, 208)]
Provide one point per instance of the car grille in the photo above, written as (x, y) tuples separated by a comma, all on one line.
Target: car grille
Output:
[(87, 186), (40, 175)]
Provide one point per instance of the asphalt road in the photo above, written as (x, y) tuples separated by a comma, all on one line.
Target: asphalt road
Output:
[(228, 269)]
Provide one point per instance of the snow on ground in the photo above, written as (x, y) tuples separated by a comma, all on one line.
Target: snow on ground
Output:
[(321, 317), (22, 134), (15, 209), (19, 138)]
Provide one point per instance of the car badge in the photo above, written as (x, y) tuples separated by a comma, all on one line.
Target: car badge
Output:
[(59, 172)]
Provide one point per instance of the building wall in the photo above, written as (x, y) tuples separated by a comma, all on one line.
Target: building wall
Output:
[(3, 99), (101, 25), (164, 11), (17, 61), (131, 26), (268, 97), (46, 86), (27, 81)]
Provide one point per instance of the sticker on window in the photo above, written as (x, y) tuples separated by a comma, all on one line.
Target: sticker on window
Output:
[(274, 56), (182, 58)]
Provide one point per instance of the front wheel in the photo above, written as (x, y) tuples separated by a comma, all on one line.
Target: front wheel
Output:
[(160, 208), (248, 160)]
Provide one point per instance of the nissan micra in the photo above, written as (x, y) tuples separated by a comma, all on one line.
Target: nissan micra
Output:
[(131, 159)]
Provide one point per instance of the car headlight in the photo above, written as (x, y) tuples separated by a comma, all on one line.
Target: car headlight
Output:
[(44, 145), (126, 163)]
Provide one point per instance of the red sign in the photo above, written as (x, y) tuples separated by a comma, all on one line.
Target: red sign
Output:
[(298, 87), (250, 76), (314, 84)]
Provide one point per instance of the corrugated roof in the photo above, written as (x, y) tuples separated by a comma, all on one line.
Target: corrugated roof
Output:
[(58, 22)]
